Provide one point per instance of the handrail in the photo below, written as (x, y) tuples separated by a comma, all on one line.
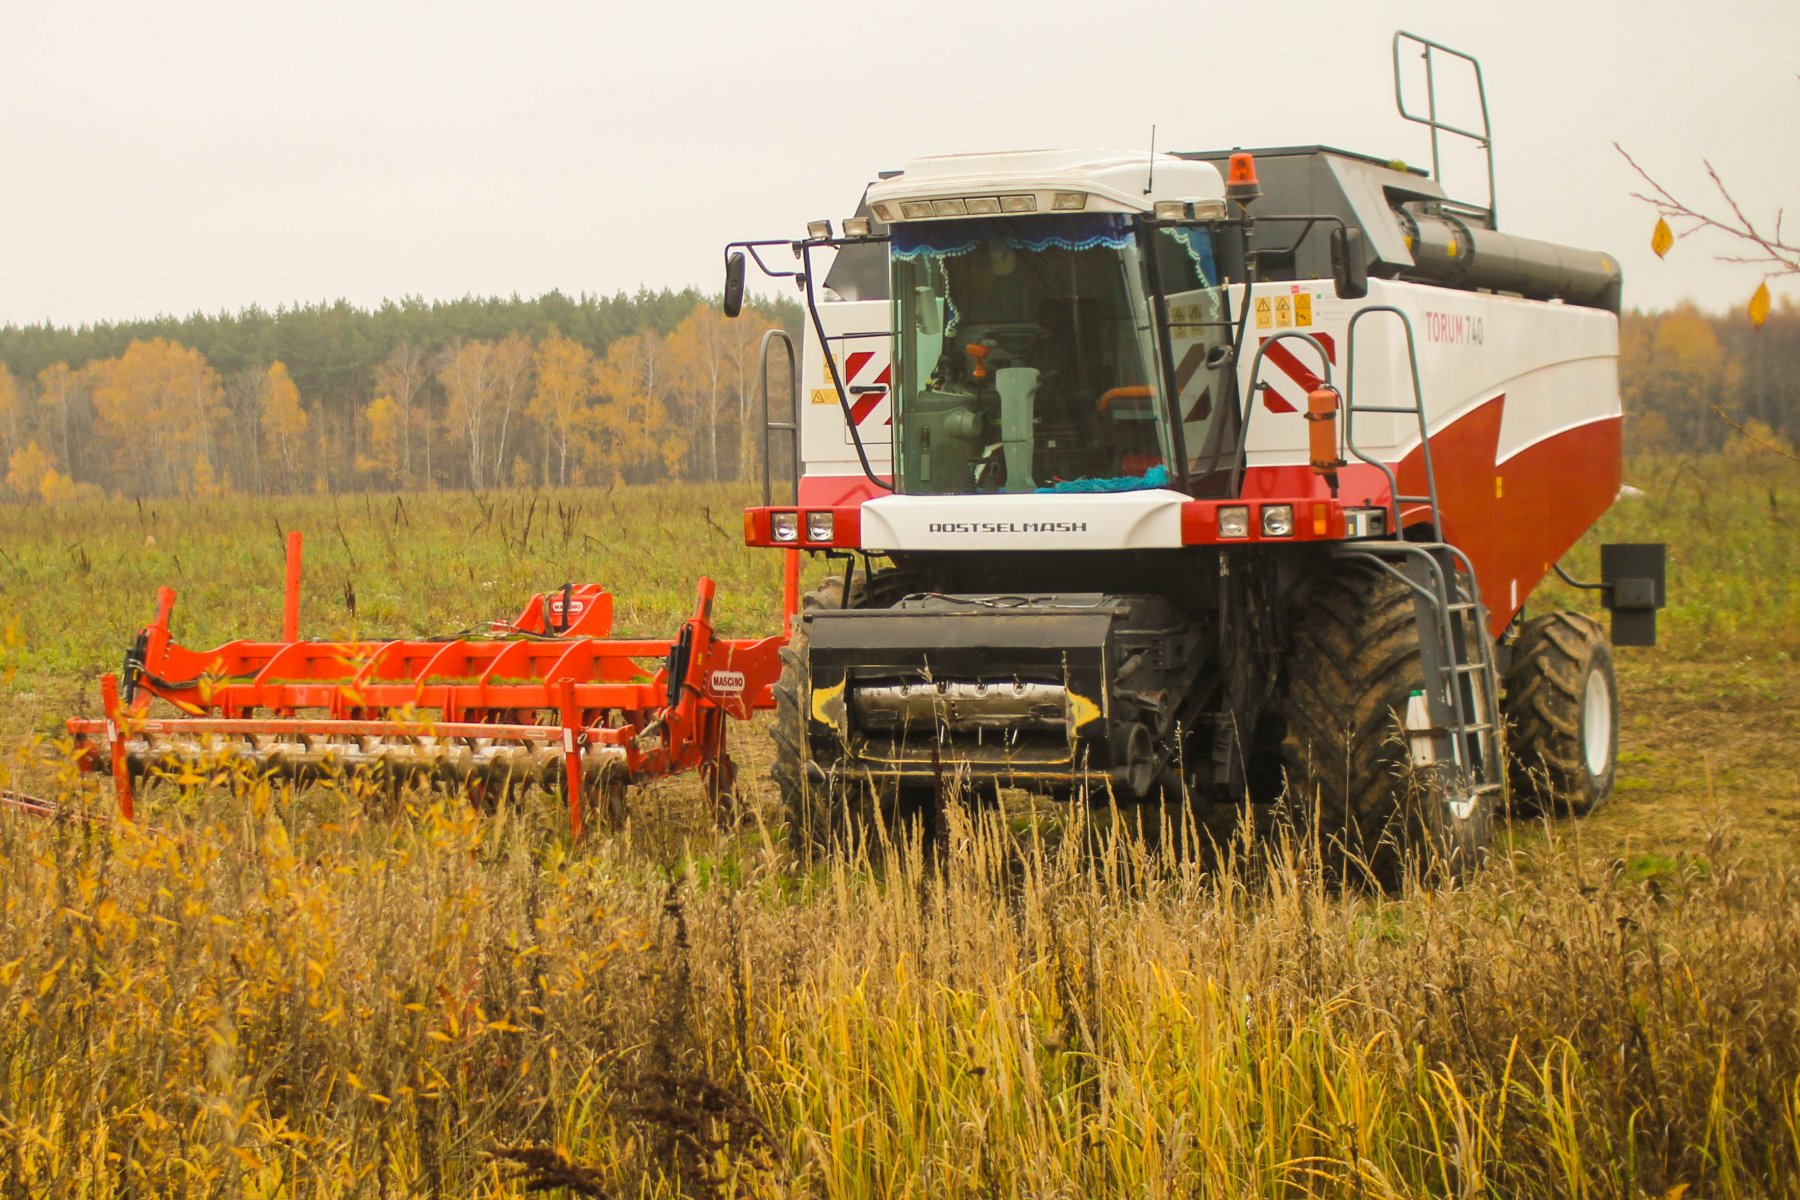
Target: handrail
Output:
[(790, 426)]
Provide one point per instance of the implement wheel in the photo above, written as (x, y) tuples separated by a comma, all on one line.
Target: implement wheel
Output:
[(1562, 712), (1353, 668), (838, 812)]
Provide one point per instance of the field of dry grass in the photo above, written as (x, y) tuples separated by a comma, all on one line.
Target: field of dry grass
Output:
[(299, 995)]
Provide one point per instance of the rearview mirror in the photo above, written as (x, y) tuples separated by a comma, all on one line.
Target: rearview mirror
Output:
[(733, 302), (1349, 264)]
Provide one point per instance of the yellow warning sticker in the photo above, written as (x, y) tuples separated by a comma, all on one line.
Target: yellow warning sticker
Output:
[(1284, 312), (1302, 309), (824, 396), (1264, 314)]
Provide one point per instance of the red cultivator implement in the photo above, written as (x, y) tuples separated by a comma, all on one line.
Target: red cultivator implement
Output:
[(546, 701)]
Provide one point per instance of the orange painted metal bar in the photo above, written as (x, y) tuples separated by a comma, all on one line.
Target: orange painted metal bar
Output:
[(290, 599)]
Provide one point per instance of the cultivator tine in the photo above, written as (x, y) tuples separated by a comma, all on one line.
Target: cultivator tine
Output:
[(546, 701)]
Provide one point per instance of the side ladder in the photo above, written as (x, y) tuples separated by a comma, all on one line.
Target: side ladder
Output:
[(1462, 699)]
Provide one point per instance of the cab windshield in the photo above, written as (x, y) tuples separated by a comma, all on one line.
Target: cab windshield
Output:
[(1025, 355)]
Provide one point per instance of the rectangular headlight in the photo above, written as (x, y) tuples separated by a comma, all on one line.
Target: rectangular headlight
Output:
[(856, 227), (784, 526), (916, 210), (818, 229), (949, 208), (1209, 210), (884, 213), (1068, 202), (1278, 520), (818, 527), (1169, 210), (982, 206), (1234, 521), (1018, 204)]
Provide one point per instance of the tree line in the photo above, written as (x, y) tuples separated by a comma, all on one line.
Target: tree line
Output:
[(1696, 383), (472, 393)]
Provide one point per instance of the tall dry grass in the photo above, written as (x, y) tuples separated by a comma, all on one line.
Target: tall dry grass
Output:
[(282, 996)]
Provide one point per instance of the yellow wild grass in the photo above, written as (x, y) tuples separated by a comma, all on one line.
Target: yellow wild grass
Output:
[(285, 996)]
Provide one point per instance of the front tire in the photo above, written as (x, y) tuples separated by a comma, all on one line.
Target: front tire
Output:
[(1352, 672), (1562, 709), (837, 812)]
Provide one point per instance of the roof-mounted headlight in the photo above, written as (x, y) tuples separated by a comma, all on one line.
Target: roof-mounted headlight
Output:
[(857, 227)]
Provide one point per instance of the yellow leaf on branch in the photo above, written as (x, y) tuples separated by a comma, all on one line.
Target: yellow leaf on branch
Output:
[(1759, 304), (1662, 238)]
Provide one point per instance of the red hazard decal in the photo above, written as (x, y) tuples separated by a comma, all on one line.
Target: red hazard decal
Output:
[(1288, 365), (865, 403)]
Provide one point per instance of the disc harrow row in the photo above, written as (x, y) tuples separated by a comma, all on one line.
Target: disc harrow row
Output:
[(546, 701)]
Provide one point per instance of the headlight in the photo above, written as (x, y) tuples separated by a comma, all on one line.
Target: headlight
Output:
[(916, 210), (856, 227), (1017, 204), (1278, 520), (818, 230), (785, 526), (818, 527), (1068, 202), (1170, 210), (1234, 521)]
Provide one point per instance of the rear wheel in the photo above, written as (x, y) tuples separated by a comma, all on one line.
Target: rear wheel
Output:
[(1562, 712), (1353, 671)]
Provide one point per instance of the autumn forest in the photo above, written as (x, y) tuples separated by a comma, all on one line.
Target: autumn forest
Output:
[(466, 394)]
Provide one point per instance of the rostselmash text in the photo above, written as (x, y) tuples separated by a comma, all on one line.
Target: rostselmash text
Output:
[(1008, 527)]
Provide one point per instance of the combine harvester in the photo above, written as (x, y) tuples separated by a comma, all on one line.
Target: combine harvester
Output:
[(1196, 474), (1200, 475)]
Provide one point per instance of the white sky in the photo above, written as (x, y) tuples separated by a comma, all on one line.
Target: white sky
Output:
[(180, 155)]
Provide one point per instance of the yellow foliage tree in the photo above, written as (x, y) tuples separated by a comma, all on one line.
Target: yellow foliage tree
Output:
[(58, 388), (283, 422), (386, 457), (633, 433), (25, 471), (399, 377), (160, 404), (561, 398), (11, 419), (57, 488)]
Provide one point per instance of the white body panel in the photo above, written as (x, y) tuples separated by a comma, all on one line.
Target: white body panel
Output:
[(1144, 520), (1557, 365), (862, 344)]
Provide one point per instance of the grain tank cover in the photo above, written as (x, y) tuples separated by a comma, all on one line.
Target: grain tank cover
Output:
[(1411, 228)]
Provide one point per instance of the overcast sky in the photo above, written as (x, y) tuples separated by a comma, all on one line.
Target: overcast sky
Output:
[(181, 156)]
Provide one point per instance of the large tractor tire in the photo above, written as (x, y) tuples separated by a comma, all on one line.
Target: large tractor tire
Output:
[(840, 812), (1562, 711), (1353, 668)]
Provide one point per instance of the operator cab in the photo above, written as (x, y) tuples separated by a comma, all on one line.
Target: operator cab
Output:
[(1058, 340)]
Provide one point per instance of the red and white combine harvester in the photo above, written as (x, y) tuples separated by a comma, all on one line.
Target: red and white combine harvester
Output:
[(1199, 474), (1208, 475)]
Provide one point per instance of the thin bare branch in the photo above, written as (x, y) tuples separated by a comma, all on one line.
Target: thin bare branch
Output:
[(1778, 257)]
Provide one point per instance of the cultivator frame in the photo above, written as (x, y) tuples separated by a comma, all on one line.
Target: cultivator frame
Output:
[(547, 700)]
